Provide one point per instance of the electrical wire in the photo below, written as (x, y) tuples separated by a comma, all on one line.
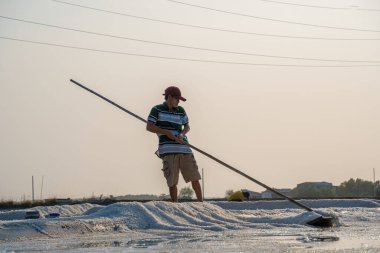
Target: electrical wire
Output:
[(318, 6), (305, 5), (187, 47), (184, 59), (211, 28), (273, 19)]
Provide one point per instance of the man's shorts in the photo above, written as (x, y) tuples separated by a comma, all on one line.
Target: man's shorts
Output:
[(185, 163)]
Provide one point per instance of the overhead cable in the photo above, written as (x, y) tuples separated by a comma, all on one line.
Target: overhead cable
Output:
[(306, 5), (273, 19), (188, 47), (211, 28), (319, 6), (184, 59)]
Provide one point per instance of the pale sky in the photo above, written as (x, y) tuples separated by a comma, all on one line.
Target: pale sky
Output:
[(282, 125)]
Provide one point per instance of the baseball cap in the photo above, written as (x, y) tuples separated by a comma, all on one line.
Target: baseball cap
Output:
[(174, 92)]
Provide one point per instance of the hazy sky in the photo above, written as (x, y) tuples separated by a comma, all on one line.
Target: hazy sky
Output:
[(282, 125)]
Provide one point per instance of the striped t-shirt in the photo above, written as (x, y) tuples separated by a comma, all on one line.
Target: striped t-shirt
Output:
[(173, 121)]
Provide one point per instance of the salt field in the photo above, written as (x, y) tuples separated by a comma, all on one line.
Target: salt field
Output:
[(257, 226)]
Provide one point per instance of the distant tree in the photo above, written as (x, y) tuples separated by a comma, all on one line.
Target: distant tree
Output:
[(377, 189), (229, 193), (356, 188), (327, 192), (186, 193)]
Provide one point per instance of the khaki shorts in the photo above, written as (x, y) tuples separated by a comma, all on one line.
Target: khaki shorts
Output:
[(185, 163)]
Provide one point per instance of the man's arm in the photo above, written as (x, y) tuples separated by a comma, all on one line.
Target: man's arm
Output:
[(185, 130), (155, 129)]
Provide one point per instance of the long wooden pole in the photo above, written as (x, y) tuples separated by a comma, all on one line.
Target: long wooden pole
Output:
[(201, 151)]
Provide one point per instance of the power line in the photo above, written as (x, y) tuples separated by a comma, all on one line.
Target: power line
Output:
[(319, 6), (211, 28), (183, 59), (187, 47), (369, 9), (305, 5), (272, 19)]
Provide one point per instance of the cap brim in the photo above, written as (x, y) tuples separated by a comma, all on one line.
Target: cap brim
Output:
[(182, 98)]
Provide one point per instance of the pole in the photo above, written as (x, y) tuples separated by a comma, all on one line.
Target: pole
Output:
[(32, 189), (42, 185), (320, 221), (199, 150), (374, 183), (203, 185)]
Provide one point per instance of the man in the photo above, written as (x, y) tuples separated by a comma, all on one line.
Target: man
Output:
[(170, 122)]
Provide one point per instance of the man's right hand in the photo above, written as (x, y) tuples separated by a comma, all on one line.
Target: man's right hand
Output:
[(155, 129), (170, 135)]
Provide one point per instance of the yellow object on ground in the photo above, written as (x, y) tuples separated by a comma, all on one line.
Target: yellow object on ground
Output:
[(236, 196)]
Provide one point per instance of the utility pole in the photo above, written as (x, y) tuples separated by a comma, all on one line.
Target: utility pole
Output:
[(203, 186), (374, 183), (32, 189), (42, 185)]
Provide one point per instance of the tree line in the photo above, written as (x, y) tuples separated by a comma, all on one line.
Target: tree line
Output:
[(353, 188)]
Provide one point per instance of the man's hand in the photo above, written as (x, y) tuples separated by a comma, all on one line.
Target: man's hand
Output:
[(182, 137), (178, 139), (155, 129)]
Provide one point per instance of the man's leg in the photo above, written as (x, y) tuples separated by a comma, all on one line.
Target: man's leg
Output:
[(171, 173), (197, 189), (173, 193), (189, 170)]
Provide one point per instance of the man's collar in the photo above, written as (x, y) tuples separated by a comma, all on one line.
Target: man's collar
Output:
[(167, 107)]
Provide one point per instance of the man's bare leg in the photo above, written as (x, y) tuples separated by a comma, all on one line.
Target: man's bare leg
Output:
[(197, 189), (173, 193)]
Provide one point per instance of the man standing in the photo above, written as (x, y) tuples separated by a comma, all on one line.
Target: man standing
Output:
[(170, 122)]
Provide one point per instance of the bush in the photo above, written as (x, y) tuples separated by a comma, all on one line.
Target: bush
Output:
[(186, 193)]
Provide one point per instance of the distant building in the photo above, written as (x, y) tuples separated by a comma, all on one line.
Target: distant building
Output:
[(270, 195), (315, 184), (252, 195)]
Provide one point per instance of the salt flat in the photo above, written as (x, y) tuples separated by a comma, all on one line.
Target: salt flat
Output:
[(258, 226)]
